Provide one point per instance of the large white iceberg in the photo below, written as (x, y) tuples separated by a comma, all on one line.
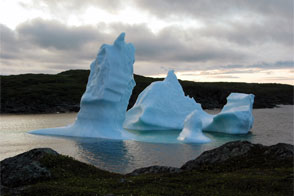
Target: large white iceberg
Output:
[(104, 103), (161, 106), (161, 111)]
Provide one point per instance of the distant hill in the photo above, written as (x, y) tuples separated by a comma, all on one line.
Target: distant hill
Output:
[(44, 93)]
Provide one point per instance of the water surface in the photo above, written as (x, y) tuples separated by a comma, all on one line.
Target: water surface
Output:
[(271, 126)]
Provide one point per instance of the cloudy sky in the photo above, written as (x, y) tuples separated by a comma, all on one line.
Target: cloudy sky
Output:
[(211, 40)]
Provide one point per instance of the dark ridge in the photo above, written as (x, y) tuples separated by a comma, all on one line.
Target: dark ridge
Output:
[(44, 93), (235, 168)]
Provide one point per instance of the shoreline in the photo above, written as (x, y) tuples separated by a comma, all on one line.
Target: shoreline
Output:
[(72, 112), (43, 93), (252, 169)]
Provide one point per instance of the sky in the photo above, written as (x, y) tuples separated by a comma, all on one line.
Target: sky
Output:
[(211, 40)]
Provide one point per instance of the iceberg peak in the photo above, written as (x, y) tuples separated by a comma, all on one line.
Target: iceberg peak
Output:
[(171, 76), (171, 79), (120, 40), (160, 106)]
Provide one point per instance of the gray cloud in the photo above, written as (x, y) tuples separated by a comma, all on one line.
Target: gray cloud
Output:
[(63, 7), (263, 65), (251, 34), (247, 22), (276, 65), (205, 10), (49, 46), (48, 34), (8, 42), (215, 9), (173, 44), (50, 41), (243, 22), (43, 46)]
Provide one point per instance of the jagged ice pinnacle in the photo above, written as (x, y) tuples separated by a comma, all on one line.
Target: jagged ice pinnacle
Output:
[(161, 107), (104, 103)]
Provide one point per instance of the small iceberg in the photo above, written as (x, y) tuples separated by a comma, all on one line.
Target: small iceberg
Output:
[(235, 117), (192, 131)]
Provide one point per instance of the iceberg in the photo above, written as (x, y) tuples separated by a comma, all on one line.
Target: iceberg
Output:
[(161, 106), (162, 112), (192, 131), (235, 117), (104, 103), (164, 106)]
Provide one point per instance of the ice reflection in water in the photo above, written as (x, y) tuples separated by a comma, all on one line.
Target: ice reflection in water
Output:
[(271, 126)]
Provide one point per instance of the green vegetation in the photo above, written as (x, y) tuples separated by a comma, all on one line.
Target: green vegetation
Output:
[(71, 177), (44, 93), (38, 93), (235, 168)]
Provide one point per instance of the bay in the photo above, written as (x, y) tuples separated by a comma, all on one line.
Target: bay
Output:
[(271, 126)]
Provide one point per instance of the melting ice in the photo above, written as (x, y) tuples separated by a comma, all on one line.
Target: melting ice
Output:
[(161, 108), (104, 103)]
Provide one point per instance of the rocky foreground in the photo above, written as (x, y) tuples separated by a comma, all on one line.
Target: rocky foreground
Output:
[(236, 168)]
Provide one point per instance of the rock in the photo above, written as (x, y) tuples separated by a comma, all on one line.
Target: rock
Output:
[(239, 152), (25, 168), (245, 153), (155, 170), (280, 151)]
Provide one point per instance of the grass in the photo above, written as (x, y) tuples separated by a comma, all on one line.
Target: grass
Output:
[(44, 93), (71, 177)]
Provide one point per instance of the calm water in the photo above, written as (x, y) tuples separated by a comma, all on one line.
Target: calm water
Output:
[(271, 126)]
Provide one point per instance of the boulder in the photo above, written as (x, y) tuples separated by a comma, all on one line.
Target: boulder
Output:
[(25, 168), (243, 154), (154, 170)]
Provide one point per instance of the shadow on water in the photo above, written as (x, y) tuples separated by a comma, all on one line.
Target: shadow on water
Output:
[(108, 154), (124, 156), (222, 138)]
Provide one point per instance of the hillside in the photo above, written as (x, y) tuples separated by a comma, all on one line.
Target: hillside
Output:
[(235, 168), (44, 93)]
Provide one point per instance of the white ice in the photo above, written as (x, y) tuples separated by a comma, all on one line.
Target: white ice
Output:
[(161, 106), (235, 117), (192, 131), (164, 106), (162, 112), (104, 104)]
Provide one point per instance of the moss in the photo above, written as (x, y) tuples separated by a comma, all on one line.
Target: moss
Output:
[(44, 93), (71, 177)]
